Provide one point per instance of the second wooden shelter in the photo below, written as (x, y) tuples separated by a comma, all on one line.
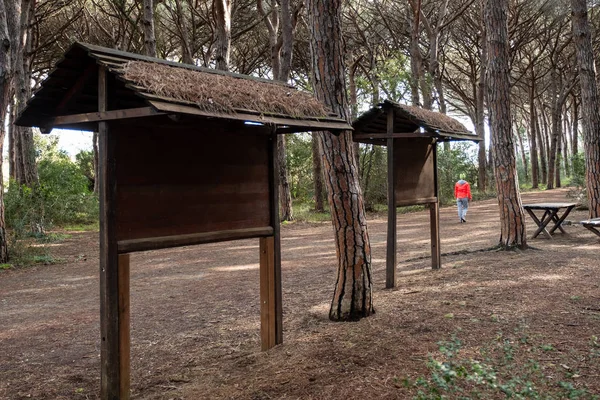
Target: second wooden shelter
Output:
[(411, 135)]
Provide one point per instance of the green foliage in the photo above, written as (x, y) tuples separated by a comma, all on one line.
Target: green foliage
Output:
[(507, 369), (299, 164), (61, 196), (578, 163), (373, 175), (85, 161)]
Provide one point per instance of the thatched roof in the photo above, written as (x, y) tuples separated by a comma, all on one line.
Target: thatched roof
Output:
[(219, 92), (138, 82), (410, 121)]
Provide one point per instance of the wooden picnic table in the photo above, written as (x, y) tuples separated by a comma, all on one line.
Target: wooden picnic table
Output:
[(551, 211), (592, 224)]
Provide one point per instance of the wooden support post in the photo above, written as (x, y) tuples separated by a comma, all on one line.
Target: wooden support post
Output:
[(436, 256), (124, 327), (268, 311), (390, 275), (114, 270), (271, 309)]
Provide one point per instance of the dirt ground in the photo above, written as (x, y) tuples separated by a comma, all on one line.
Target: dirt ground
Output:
[(195, 313)]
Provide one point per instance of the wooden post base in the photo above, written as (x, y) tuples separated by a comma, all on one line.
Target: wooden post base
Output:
[(270, 292)]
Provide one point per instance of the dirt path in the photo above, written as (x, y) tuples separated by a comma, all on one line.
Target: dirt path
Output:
[(195, 312)]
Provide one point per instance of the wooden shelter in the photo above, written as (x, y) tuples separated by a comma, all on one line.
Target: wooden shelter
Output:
[(411, 135), (187, 156)]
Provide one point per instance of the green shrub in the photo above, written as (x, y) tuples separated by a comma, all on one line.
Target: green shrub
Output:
[(61, 196), (505, 368)]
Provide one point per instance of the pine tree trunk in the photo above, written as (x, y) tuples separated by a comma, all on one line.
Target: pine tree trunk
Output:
[(25, 166), (533, 149), (565, 142), (589, 103), (523, 157), (287, 213), (416, 60), (148, 24), (543, 145), (186, 48), (96, 158), (6, 72), (575, 129), (317, 174), (223, 35), (558, 158), (512, 217), (353, 295), (480, 109), (554, 137)]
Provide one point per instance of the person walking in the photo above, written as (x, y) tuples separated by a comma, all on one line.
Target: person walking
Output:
[(462, 193)]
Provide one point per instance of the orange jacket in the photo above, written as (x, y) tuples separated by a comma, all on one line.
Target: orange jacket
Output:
[(462, 189)]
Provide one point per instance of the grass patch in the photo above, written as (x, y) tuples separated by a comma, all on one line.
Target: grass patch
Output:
[(33, 249), (92, 227), (305, 212)]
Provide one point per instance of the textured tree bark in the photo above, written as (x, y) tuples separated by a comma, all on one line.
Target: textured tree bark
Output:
[(281, 61), (565, 143), (416, 60), (575, 129), (555, 133), (317, 174), (148, 24), (6, 72), (353, 294), (589, 103), (96, 159), (186, 47), (25, 167), (287, 212), (558, 156), (480, 109), (533, 136), (222, 10), (542, 144), (523, 156), (512, 217)]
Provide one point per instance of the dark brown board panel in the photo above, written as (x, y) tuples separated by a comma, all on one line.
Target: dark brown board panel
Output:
[(185, 181), (414, 169)]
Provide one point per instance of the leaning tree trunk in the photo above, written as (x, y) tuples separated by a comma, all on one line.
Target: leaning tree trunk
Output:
[(512, 219), (589, 104), (353, 295), (222, 10), (5, 94)]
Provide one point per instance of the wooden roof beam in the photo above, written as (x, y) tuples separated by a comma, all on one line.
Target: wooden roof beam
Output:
[(100, 116)]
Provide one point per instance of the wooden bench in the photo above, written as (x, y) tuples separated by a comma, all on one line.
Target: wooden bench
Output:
[(592, 224)]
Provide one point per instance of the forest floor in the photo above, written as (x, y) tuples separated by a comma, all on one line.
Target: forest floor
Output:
[(511, 322)]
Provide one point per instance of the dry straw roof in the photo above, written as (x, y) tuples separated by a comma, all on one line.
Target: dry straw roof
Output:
[(221, 93), (408, 119), (432, 120), (154, 86)]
